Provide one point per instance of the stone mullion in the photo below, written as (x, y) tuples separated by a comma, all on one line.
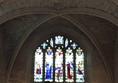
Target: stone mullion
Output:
[(64, 66), (64, 51), (54, 50), (74, 53), (2, 60), (44, 65)]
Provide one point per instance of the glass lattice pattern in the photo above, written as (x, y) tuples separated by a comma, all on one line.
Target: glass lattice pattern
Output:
[(59, 59)]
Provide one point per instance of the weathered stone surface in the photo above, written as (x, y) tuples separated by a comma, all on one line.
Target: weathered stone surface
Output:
[(103, 31), (58, 5), (14, 30)]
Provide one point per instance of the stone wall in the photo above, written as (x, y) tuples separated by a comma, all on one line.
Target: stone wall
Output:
[(116, 60), (22, 70), (14, 31), (2, 59)]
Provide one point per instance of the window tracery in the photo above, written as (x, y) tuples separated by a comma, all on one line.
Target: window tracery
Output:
[(59, 59)]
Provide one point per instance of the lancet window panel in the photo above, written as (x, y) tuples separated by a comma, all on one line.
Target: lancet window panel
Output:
[(59, 59)]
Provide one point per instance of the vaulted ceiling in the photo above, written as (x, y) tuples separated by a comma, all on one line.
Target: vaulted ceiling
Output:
[(98, 19)]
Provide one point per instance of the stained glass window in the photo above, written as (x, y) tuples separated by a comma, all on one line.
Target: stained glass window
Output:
[(59, 59)]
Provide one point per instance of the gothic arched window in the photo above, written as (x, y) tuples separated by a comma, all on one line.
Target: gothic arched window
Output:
[(59, 59)]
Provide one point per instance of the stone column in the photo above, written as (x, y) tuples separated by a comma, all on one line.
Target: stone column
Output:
[(116, 59), (2, 59)]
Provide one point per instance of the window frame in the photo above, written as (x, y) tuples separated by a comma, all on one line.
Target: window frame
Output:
[(63, 62)]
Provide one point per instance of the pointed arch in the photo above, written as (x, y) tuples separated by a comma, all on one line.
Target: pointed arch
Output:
[(59, 59)]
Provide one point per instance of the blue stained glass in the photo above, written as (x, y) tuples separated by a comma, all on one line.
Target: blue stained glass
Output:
[(49, 65), (54, 51), (48, 71)]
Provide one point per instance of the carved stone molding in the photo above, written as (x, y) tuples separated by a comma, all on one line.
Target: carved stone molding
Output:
[(57, 5)]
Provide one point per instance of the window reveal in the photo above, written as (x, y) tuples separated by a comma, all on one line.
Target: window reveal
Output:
[(59, 59)]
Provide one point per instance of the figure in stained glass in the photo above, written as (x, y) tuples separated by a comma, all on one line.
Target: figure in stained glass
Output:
[(69, 65), (79, 65), (48, 63), (59, 65), (56, 57), (38, 64), (48, 71)]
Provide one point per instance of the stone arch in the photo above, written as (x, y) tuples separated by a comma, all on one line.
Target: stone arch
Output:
[(55, 14), (89, 11), (27, 38)]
